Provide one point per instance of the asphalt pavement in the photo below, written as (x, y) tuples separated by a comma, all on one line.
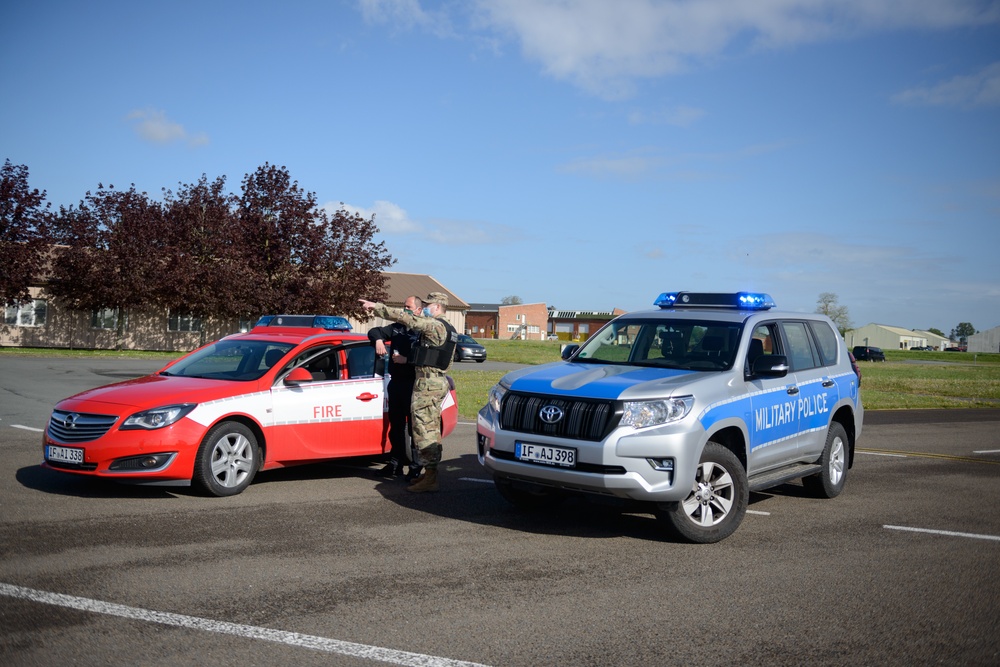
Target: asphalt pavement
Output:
[(330, 565)]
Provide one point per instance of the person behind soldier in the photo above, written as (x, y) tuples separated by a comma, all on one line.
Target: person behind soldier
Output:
[(431, 357), (400, 389)]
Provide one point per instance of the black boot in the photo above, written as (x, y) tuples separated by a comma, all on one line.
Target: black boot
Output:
[(393, 468)]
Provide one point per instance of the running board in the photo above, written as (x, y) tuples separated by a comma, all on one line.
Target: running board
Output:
[(781, 475)]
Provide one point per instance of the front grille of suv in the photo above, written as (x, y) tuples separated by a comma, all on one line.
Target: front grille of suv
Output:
[(79, 426), (582, 419)]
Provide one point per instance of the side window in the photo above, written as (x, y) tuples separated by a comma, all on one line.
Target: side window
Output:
[(322, 363), (360, 361), (763, 341), (800, 350), (827, 341)]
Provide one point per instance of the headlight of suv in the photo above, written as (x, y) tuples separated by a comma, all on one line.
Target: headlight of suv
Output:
[(640, 414), (496, 396), (157, 417)]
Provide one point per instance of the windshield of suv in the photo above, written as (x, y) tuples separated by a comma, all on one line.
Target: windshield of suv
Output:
[(685, 344), (241, 360)]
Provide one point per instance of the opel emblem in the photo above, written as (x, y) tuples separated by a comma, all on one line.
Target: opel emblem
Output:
[(70, 421), (550, 414)]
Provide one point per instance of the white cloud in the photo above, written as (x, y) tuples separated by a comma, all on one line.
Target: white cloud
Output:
[(627, 166), (405, 15), (393, 219), (153, 126), (604, 46), (461, 232), (390, 218), (981, 89)]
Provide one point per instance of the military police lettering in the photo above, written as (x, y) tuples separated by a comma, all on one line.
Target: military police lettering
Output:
[(432, 356)]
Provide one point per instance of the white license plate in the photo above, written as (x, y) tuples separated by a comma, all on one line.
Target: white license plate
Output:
[(563, 457), (64, 454)]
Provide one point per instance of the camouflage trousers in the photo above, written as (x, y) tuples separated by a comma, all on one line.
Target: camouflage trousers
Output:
[(425, 411)]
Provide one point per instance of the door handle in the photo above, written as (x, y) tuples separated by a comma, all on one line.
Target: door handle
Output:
[(367, 396), (793, 390), (828, 383)]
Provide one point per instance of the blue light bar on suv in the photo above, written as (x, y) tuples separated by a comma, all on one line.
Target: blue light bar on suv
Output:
[(328, 322), (737, 300)]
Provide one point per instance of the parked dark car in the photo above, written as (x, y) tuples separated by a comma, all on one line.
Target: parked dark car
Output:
[(469, 350), (868, 353)]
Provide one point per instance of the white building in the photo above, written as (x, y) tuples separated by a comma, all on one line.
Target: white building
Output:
[(985, 341), (893, 338)]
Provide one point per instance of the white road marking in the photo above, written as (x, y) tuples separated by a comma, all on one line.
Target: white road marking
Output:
[(475, 479), (898, 456), (248, 631), (758, 512), (987, 451), (26, 428), (949, 533)]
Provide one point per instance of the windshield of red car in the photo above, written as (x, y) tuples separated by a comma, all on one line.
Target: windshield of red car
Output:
[(239, 360)]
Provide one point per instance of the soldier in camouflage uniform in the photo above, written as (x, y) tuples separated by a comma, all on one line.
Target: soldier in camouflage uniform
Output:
[(432, 356)]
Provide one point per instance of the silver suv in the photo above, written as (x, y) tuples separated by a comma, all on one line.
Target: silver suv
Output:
[(686, 408)]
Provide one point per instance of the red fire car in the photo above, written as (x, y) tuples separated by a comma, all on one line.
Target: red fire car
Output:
[(295, 389)]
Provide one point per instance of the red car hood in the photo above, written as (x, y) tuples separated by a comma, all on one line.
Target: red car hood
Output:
[(153, 391)]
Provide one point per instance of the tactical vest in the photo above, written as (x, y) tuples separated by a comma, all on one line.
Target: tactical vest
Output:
[(436, 356)]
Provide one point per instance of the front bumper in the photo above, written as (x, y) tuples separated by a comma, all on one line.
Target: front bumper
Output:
[(112, 455), (628, 463)]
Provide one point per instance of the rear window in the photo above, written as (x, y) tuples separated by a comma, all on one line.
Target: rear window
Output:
[(828, 342)]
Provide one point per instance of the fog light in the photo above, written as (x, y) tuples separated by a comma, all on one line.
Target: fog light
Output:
[(662, 465), (144, 462)]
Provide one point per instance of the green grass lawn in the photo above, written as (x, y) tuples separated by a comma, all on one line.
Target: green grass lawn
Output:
[(963, 380), (954, 380)]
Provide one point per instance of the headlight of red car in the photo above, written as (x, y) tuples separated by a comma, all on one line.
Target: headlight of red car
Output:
[(157, 417)]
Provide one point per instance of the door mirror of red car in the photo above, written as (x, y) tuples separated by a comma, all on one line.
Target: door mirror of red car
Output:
[(298, 376)]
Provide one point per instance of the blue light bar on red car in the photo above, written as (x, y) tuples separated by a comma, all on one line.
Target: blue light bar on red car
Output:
[(328, 322), (738, 300)]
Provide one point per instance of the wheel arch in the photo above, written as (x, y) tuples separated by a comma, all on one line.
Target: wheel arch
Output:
[(845, 417), (734, 439), (254, 427)]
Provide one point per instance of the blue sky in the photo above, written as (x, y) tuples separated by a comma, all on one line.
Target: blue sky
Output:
[(587, 154)]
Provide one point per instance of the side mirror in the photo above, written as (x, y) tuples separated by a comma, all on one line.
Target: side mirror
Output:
[(770, 366), (569, 351), (297, 377)]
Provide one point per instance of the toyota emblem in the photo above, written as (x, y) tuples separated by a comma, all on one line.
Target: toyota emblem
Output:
[(550, 414)]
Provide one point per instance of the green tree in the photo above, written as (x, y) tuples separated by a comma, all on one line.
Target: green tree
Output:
[(937, 332), (24, 241), (115, 254), (962, 332), (828, 305)]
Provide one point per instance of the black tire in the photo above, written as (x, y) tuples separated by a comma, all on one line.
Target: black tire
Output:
[(533, 500), (479, 361), (830, 481), (227, 459), (717, 502)]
